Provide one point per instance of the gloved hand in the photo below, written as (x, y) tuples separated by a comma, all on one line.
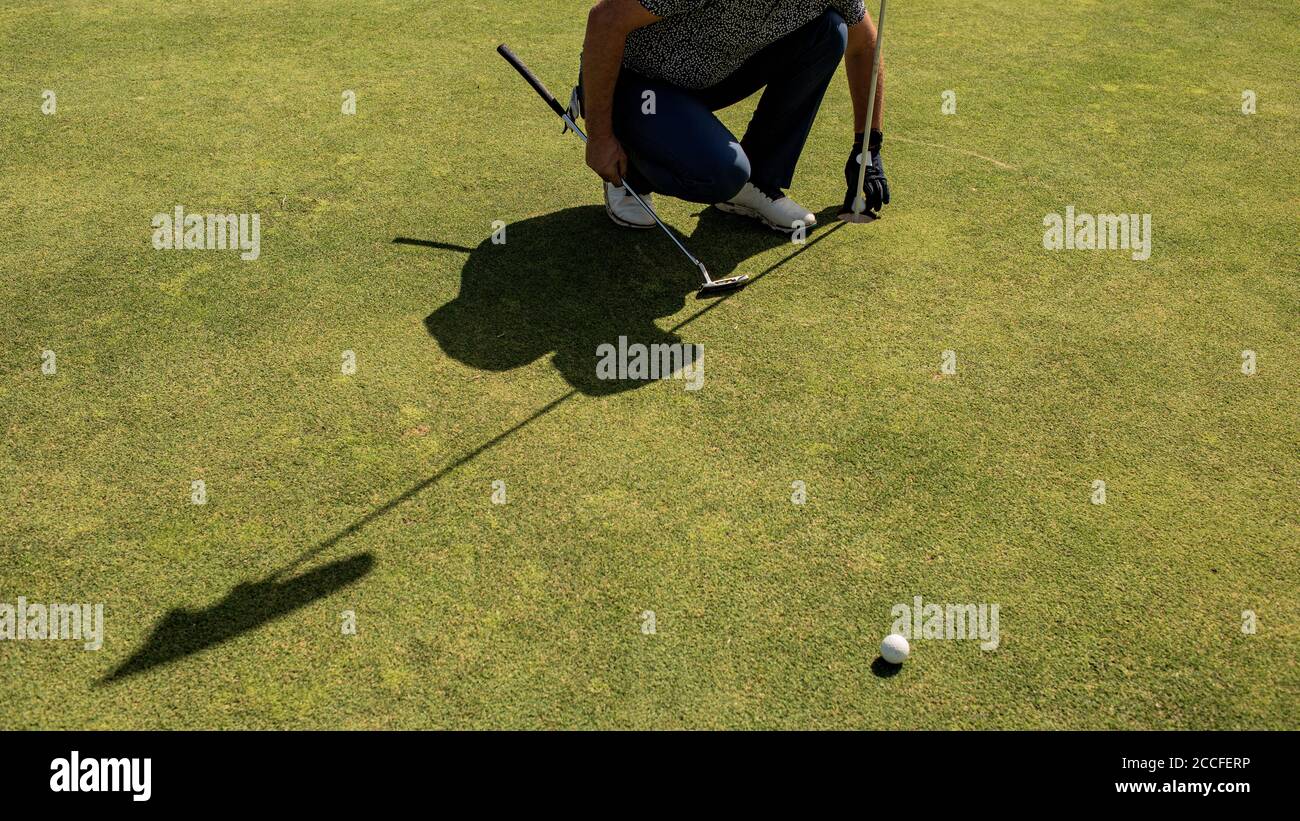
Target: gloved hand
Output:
[(876, 188)]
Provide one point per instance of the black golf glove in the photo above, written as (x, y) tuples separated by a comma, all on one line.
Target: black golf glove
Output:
[(875, 188)]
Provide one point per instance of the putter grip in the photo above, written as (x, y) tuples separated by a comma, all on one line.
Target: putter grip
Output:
[(542, 91)]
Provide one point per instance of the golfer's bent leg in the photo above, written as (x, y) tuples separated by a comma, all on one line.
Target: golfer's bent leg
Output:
[(675, 145), (796, 71)]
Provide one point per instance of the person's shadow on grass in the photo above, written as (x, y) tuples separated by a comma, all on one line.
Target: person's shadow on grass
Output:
[(570, 281)]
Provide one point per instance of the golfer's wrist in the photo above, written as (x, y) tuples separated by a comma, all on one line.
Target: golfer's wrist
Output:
[(877, 139)]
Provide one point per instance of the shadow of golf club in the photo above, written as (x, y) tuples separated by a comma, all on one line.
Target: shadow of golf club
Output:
[(428, 243)]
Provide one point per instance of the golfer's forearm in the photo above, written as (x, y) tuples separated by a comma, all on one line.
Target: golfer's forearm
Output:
[(602, 56), (857, 64), (608, 25), (859, 88)]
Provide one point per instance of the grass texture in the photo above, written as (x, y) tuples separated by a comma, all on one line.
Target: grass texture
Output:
[(371, 492)]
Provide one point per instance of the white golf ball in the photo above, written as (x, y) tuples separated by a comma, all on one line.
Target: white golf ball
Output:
[(894, 649)]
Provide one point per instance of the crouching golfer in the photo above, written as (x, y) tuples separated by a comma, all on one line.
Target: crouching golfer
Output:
[(654, 71)]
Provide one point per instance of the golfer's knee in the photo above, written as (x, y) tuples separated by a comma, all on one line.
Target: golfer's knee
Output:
[(734, 176), (837, 32), (724, 176)]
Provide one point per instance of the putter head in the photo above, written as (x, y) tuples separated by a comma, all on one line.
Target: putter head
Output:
[(715, 286), (722, 285)]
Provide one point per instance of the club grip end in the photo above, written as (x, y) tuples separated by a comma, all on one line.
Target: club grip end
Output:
[(527, 74)]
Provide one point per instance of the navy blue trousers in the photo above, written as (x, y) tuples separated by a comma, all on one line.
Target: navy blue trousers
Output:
[(684, 151)]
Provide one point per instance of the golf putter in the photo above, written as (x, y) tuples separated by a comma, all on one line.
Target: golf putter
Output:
[(859, 214), (710, 285)]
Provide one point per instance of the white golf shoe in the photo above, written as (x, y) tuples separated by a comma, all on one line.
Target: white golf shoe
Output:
[(782, 214), (624, 210)]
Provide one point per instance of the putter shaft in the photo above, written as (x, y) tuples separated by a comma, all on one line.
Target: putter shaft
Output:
[(542, 91), (568, 121)]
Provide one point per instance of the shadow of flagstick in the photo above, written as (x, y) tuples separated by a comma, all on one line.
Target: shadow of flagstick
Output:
[(717, 300), (424, 484), (249, 605), (182, 632)]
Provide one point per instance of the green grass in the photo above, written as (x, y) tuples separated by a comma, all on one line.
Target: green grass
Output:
[(625, 498)]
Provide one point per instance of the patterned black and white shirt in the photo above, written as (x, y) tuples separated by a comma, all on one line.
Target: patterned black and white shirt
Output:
[(701, 42)]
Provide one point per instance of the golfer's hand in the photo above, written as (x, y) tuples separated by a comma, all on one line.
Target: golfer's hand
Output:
[(605, 156), (875, 189)]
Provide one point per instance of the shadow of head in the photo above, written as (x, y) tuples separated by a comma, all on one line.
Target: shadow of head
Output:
[(568, 282), (248, 606)]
